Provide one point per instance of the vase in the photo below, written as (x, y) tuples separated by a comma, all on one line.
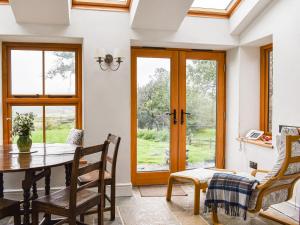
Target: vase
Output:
[(24, 143)]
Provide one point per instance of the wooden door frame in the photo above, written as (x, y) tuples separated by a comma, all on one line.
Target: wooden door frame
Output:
[(221, 104), (156, 177), (178, 69)]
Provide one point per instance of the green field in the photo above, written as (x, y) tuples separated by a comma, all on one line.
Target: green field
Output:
[(53, 135), (202, 148)]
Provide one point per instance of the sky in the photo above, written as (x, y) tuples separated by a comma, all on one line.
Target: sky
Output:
[(147, 66), (27, 72), (211, 4)]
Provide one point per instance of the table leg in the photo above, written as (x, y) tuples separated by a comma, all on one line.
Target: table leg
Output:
[(47, 192), (68, 171), (34, 191), (26, 185), (1, 185)]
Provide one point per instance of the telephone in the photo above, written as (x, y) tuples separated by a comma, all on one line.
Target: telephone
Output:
[(254, 134)]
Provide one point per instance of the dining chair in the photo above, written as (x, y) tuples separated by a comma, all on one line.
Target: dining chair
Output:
[(10, 208), (109, 176), (73, 201), (75, 137)]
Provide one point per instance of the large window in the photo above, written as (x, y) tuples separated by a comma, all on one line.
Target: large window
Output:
[(44, 79), (266, 88)]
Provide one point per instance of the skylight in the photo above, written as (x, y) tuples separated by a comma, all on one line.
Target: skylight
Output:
[(111, 4), (212, 4), (214, 8)]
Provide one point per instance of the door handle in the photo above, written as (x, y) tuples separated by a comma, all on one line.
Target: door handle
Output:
[(174, 116), (182, 116)]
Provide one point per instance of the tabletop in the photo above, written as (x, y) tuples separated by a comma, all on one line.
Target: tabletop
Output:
[(41, 156)]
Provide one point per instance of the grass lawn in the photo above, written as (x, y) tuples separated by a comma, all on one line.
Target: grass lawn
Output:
[(200, 149), (55, 135)]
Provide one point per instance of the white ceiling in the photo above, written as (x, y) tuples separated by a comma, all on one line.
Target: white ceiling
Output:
[(41, 11)]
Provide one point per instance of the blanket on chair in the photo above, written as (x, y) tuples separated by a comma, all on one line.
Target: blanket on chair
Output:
[(229, 192)]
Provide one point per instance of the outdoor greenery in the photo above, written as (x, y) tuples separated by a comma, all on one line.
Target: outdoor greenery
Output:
[(153, 122)]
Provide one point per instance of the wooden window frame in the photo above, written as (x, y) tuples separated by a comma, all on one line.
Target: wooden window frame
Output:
[(9, 100), (264, 88), (101, 5), (215, 13)]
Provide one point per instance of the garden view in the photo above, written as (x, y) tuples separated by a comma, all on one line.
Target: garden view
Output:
[(154, 122)]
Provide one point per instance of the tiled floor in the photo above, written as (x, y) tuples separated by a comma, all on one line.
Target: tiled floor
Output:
[(137, 210)]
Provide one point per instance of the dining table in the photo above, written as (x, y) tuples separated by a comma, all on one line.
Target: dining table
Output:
[(36, 165)]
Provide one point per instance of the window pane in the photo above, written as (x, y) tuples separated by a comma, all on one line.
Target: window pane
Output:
[(59, 121), (37, 135), (26, 72), (270, 91), (59, 73), (212, 4), (153, 102), (201, 104)]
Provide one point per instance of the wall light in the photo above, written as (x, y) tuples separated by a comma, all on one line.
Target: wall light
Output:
[(108, 61)]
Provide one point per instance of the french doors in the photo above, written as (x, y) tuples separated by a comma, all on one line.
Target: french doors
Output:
[(178, 112)]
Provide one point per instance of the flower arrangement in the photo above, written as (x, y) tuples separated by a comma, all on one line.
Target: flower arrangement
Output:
[(23, 124)]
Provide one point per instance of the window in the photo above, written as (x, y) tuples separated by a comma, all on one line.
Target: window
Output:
[(215, 8), (103, 4), (266, 88), (44, 79)]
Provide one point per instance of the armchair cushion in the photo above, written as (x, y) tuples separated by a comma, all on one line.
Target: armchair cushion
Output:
[(75, 137), (282, 194), (281, 148)]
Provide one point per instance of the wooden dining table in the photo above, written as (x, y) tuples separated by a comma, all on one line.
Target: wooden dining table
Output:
[(36, 165)]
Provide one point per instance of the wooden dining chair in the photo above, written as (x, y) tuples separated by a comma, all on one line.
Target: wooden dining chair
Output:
[(10, 208), (73, 201), (109, 176)]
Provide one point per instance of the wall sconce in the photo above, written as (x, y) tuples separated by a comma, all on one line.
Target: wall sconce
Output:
[(108, 61)]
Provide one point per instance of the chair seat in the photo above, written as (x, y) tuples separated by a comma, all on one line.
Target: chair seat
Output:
[(60, 199), (6, 203), (94, 175)]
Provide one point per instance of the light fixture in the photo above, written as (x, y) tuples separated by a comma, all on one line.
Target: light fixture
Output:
[(108, 61)]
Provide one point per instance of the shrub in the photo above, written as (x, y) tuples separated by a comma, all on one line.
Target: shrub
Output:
[(153, 135)]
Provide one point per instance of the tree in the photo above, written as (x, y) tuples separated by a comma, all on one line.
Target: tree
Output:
[(64, 65), (154, 97), (153, 101)]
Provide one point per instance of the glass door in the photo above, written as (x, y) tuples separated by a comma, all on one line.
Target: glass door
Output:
[(202, 110), (178, 112), (154, 115)]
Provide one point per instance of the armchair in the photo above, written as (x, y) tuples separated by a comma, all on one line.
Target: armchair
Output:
[(277, 186)]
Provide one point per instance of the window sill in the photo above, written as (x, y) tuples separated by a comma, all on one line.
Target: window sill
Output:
[(256, 142)]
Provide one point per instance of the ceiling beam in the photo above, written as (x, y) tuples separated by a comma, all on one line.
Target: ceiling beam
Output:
[(245, 14), (55, 12), (158, 14)]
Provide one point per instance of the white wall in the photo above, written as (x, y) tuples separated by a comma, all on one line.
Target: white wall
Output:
[(281, 21), (243, 78), (107, 94)]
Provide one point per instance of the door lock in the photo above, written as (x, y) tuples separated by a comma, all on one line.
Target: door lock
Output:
[(174, 116)]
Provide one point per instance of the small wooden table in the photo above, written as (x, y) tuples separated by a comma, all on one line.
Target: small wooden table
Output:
[(36, 165)]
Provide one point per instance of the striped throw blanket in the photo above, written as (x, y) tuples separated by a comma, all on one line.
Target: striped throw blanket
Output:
[(229, 192)]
